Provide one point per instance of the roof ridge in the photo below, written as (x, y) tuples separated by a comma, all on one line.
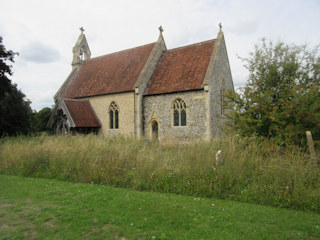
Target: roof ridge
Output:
[(120, 51), (177, 48)]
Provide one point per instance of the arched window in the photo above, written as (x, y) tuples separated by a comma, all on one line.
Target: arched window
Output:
[(179, 113), (114, 116)]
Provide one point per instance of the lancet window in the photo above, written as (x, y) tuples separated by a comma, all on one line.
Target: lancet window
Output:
[(114, 116)]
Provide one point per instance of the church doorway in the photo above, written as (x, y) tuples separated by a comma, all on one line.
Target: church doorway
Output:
[(155, 130)]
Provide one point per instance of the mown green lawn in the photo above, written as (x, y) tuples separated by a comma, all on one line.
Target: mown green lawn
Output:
[(33, 208)]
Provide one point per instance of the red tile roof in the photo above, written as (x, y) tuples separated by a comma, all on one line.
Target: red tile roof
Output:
[(82, 113), (111, 73), (181, 69)]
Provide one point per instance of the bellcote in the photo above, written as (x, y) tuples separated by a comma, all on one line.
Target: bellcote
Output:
[(80, 51)]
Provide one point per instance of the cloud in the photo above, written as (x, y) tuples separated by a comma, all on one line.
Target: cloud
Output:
[(38, 52), (244, 27), (121, 24)]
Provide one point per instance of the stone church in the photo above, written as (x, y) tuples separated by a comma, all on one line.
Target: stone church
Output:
[(146, 91)]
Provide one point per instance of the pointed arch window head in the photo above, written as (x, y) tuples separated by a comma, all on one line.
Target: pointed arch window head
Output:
[(114, 115), (179, 112)]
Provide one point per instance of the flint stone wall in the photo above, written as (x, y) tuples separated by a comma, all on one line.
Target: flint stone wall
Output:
[(159, 108)]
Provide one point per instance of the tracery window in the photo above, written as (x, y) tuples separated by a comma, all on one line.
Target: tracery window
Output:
[(179, 112), (114, 116)]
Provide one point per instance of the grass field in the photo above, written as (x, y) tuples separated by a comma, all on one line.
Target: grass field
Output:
[(253, 170), (36, 208)]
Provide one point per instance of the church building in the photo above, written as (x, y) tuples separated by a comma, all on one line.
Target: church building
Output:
[(146, 91)]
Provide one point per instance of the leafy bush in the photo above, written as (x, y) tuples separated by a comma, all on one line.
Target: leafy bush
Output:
[(281, 98)]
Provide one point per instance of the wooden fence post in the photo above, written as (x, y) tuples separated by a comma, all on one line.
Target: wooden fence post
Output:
[(310, 145)]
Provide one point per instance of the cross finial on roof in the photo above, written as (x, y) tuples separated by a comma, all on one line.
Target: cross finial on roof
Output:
[(160, 29), (81, 29), (220, 27)]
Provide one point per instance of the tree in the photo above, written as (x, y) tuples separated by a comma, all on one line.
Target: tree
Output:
[(282, 96), (40, 119), (5, 83), (15, 110)]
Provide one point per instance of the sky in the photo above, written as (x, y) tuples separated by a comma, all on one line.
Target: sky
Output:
[(45, 31)]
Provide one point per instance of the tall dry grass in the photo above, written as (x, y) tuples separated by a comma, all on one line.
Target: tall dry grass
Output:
[(252, 171)]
